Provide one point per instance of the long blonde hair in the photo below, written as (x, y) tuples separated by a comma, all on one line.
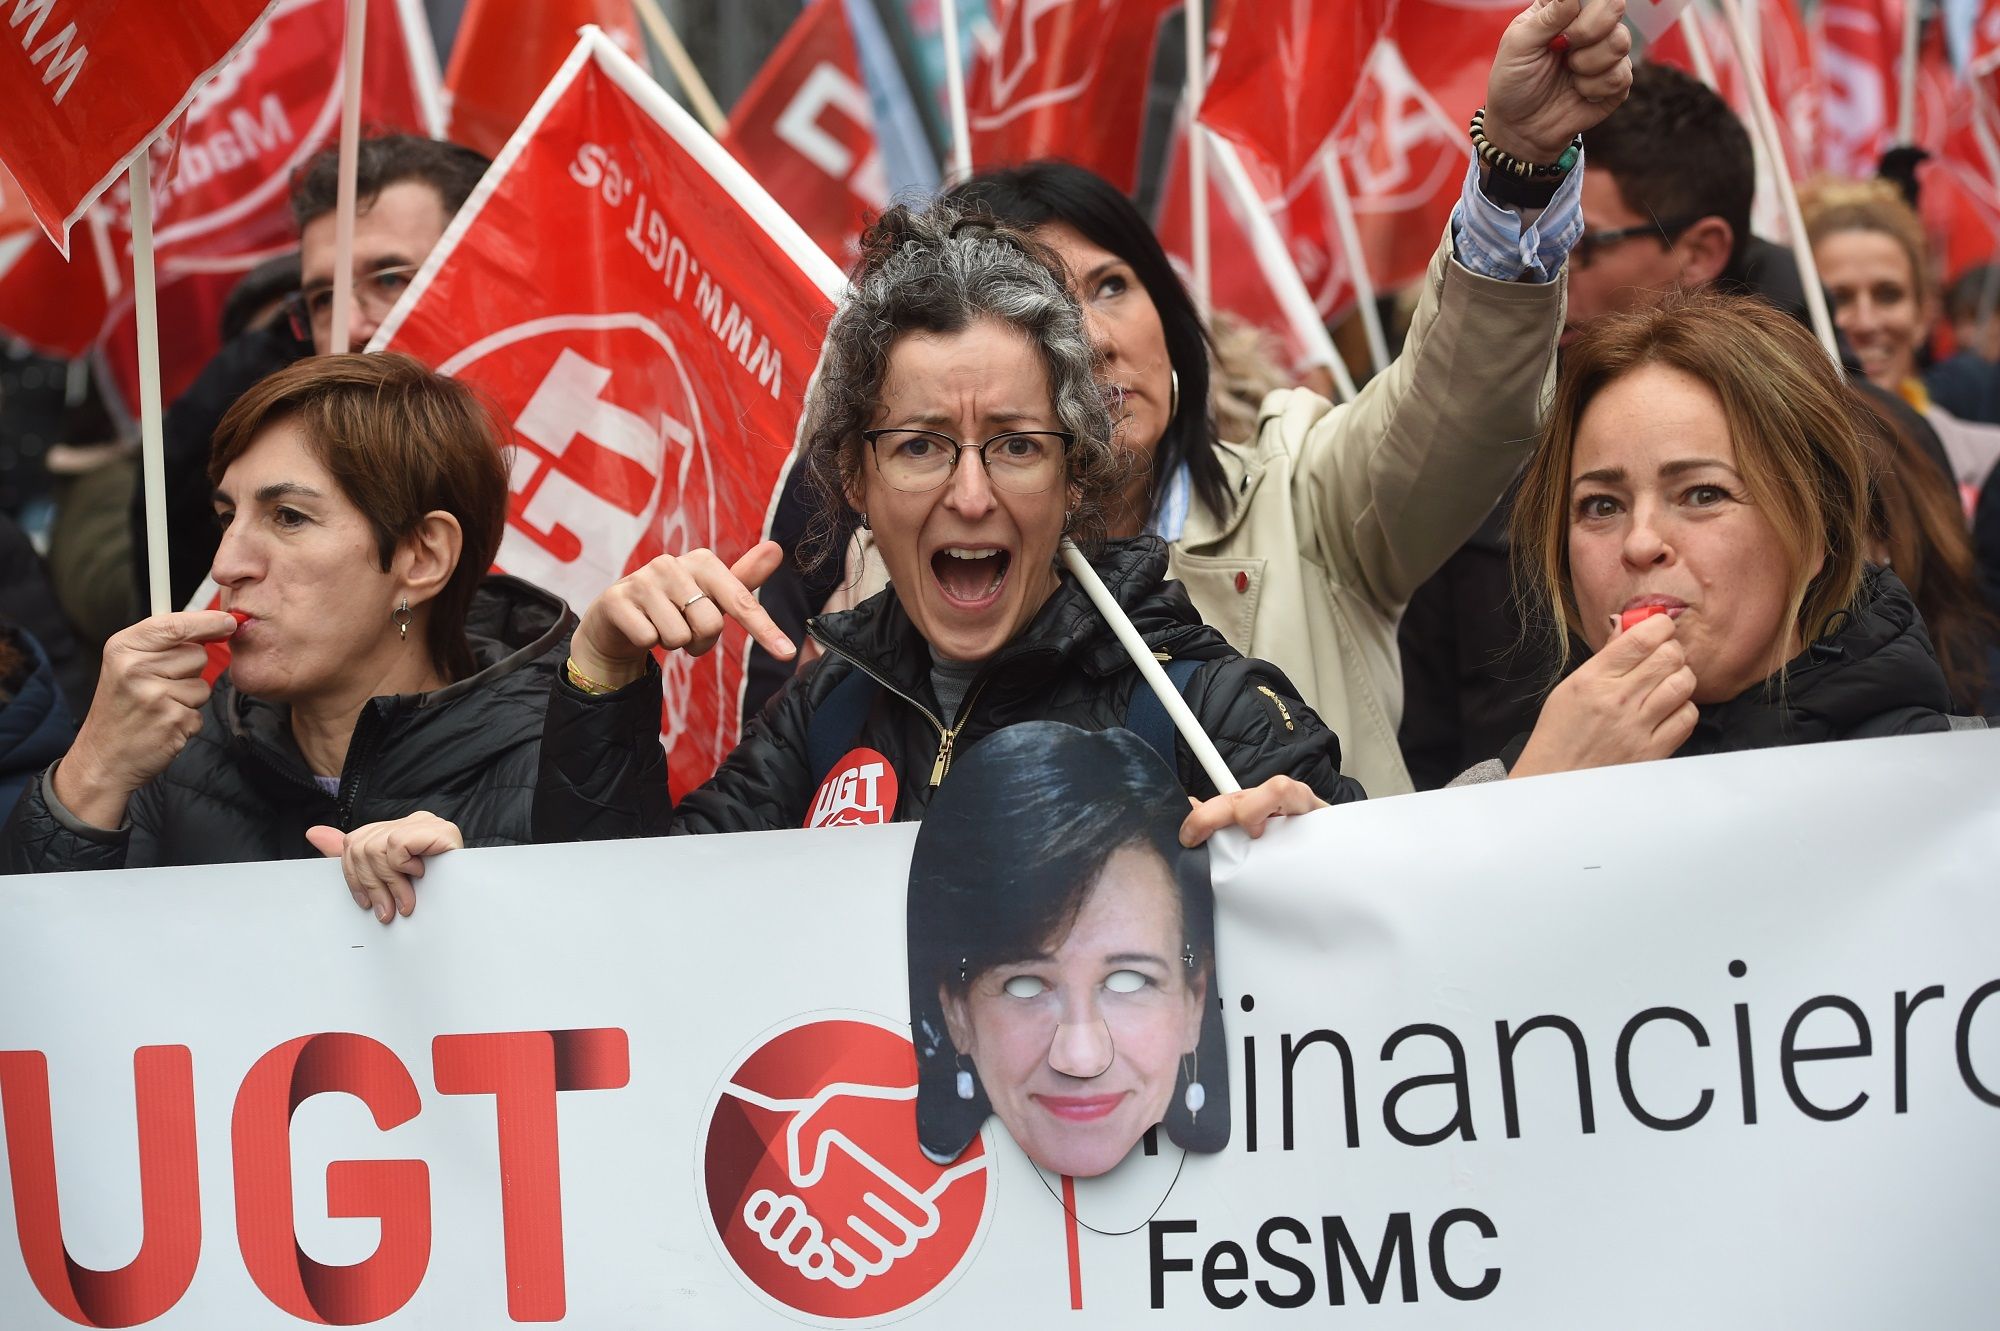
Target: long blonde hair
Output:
[(1791, 418)]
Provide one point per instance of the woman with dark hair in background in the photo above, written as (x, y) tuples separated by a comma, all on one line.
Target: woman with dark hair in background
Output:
[(1062, 955), (1303, 543), (384, 696)]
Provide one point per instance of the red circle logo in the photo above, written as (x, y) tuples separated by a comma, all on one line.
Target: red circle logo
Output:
[(813, 1184)]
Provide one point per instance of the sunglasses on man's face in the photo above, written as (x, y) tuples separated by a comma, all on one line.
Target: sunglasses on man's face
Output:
[(1591, 243)]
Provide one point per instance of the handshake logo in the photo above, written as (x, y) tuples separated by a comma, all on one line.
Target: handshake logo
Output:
[(815, 1187)]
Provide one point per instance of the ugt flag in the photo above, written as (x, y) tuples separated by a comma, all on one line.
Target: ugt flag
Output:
[(221, 198), (1065, 78), (1289, 69), (646, 318), (84, 84), (806, 131), (1859, 44)]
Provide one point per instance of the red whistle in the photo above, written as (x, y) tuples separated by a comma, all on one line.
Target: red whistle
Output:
[(239, 616), (1560, 43), (1638, 613)]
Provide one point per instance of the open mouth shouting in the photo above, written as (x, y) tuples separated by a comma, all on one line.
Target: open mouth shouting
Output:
[(971, 577)]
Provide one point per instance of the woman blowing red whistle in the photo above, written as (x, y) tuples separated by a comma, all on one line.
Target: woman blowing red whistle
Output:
[(1696, 517)]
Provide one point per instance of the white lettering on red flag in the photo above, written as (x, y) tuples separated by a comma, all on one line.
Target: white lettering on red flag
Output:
[(85, 83), (646, 318), (226, 207), (1858, 41), (1065, 78), (1287, 73), (806, 131)]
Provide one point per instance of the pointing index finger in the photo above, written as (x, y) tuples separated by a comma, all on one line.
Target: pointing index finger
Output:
[(734, 595)]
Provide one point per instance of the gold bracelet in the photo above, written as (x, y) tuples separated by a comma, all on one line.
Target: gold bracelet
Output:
[(585, 682)]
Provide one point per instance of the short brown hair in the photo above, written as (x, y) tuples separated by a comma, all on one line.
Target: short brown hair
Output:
[(1792, 419), (400, 441)]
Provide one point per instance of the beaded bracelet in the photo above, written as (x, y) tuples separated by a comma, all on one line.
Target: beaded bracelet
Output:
[(1508, 164)]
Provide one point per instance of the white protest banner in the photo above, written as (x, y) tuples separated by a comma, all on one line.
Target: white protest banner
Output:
[(646, 318), (1710, 1043)]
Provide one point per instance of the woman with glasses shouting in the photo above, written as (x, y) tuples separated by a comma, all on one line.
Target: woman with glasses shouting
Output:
[(958, 414)]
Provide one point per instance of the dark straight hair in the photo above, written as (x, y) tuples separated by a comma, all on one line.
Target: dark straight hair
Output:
[(1037, 193)]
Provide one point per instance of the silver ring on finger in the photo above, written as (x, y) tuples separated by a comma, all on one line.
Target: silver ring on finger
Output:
[(689, 604)]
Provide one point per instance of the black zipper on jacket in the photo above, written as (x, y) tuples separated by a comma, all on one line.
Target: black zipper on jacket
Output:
[(947, 735), (361, 748)]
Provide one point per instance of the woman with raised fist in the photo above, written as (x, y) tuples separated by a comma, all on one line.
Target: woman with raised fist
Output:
[(384, 696)]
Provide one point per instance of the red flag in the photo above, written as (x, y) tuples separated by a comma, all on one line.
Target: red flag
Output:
[(226, 207), (1289, 70), (1985, 52), (85, 83), (647, 318), (1791, 75), (1252, 274), (806, 132), (1065, 78), (507, 51), (1858, 41), (1958, 121)]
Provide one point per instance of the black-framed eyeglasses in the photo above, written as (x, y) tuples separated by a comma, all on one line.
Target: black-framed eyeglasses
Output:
[(310, 309), (1590, 242), (1019, 461)]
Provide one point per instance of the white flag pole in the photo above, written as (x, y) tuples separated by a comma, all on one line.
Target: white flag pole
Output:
[(1906, 87), (1766, 126), (350, 152), (954, 91), (1196, 25), (152, 444), (1357, 259), (107, 256), (1142, 656), (1771, 222), (1276, 262), (706, 108)]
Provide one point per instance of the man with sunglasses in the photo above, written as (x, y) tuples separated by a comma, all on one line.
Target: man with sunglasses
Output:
[(407, 189)]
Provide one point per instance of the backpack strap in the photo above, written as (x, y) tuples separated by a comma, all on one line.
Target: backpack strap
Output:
[(1146, 716), (837, 721)]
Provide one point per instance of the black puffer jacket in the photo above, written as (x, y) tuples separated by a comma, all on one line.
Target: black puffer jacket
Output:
[(242, 791), (1874, 675), (603, 774)]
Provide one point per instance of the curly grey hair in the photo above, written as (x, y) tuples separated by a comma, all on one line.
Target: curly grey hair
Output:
[(936, 270)]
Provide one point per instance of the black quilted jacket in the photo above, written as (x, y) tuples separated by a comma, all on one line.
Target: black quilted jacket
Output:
[(604, 776), (241, 790)]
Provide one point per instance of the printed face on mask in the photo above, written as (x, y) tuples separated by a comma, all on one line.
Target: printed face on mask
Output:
[(1080, 1049)]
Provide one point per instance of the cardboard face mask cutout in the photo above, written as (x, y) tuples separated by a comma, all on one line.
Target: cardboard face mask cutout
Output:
[(1062, 954)]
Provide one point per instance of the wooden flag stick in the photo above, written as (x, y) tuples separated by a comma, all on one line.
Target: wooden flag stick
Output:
[(1704, 69), (1357, 259), (1765, 125), (350, 154), (954, 92), (152, 441), (1197, 80), (1906, 86), (699, 97)]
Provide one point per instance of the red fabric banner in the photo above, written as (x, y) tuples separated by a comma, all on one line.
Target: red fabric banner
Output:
[(805, 130), (1858, 43), (226, 206), (1288, 71), (84, 83), (646, 318), (1791, 73), (506, 52), (1065, 78)]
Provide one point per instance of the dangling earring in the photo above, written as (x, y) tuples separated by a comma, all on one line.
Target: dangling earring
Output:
[(401, 618), (1174, 396), (863, 520), (1197, 1094), (963, 1081)]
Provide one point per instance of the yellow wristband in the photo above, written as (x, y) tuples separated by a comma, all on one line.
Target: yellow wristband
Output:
[(583, 681)]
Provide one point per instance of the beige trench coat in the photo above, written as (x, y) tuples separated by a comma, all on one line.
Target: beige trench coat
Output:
[(1343, 511)]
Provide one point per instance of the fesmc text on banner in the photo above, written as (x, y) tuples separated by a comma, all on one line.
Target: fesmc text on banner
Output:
[(85, 83), (1704, 1043), (646, 319)]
